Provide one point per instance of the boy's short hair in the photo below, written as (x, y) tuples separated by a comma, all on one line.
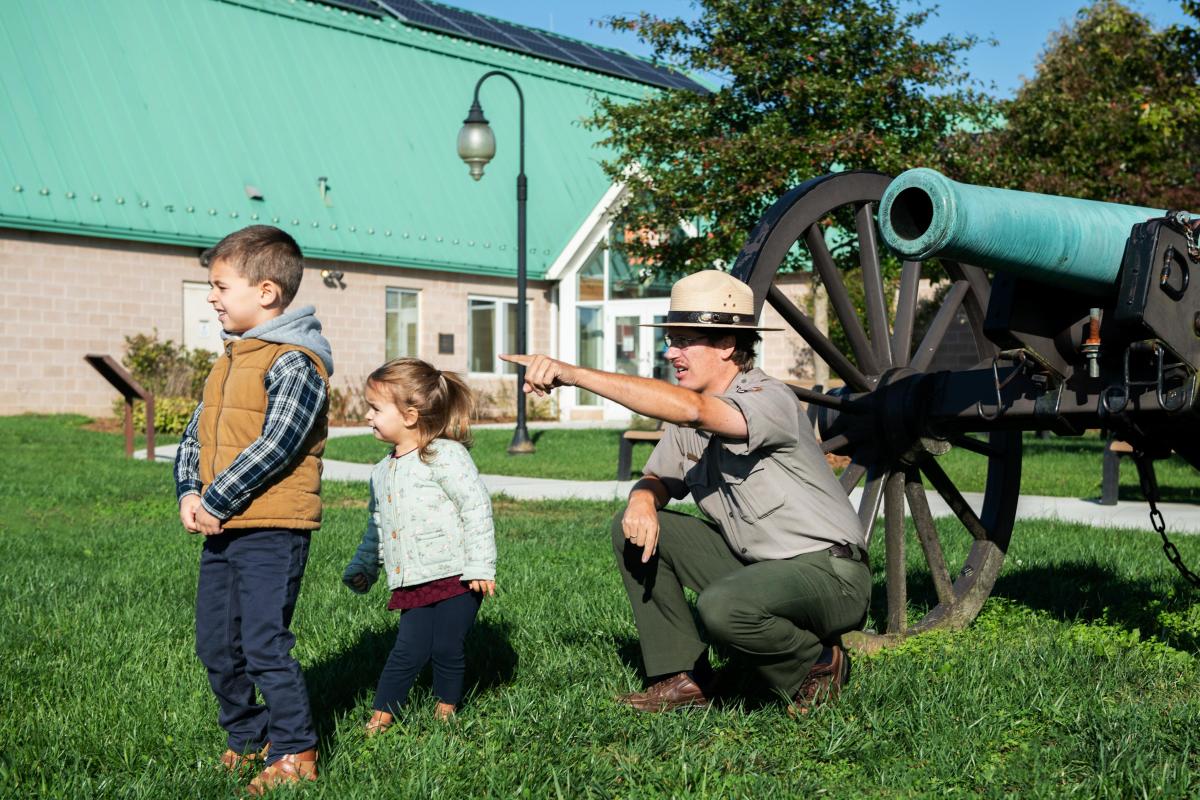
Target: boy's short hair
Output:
[(261, 253)]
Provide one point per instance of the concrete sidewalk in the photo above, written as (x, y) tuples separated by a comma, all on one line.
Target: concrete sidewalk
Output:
[(1179, 517)]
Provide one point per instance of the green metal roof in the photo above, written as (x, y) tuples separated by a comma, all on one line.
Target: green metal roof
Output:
[(143, 120)]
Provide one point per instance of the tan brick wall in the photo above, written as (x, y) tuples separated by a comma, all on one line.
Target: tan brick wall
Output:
[(784, 354), (66, 296)]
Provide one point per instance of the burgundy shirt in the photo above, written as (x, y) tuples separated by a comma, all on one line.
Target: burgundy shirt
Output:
[(426, 594)]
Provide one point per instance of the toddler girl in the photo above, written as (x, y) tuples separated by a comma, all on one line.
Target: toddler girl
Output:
[(430, 526)]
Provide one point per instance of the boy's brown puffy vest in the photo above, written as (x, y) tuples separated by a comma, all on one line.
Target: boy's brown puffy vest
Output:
[(235, 408)]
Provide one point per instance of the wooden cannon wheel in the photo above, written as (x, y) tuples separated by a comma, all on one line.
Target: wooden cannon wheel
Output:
[(891, 473)]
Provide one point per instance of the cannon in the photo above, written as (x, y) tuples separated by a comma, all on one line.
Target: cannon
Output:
[(1083, 317)]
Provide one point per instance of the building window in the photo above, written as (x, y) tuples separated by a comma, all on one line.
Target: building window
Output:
[(492, 324), (591, 347), (633, 279), (591, 277), (401, 324)]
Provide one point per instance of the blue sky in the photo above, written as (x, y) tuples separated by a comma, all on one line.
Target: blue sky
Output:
[(1020, 26)]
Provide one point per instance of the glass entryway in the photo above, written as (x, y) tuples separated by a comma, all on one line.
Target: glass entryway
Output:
[(632, 349), (607, 300)]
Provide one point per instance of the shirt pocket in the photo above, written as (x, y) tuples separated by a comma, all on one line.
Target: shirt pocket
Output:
[(753, 493)]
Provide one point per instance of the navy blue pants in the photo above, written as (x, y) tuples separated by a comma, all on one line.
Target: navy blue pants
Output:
[(434, 632), (245, 597)]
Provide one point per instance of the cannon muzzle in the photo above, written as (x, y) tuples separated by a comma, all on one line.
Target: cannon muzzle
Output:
[(1062, 241)]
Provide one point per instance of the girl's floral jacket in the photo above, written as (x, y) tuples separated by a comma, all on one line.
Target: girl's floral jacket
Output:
[(427, 521)]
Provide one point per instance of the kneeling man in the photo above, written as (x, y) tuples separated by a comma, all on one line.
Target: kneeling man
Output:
[(781, 570)]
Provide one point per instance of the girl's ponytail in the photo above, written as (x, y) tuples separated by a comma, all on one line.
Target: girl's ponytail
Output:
[(459, 404)]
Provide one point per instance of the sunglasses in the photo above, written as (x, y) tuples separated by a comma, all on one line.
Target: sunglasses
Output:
[(682, 342)]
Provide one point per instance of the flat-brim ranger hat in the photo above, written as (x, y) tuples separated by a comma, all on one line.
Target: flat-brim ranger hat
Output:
[(711, 299)]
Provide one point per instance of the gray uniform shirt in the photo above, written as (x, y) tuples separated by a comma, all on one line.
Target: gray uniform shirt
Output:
[(771, 494)]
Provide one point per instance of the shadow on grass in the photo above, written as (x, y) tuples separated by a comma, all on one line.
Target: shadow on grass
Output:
[(1071, 591), (1082, 591), (739, 684), (1167, 494), (338, 683)]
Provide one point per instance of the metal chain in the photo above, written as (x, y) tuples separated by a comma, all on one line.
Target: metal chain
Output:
[(1145, 468), (1186, 222)]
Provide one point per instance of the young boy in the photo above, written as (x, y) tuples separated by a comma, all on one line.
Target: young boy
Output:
[(248, 477)]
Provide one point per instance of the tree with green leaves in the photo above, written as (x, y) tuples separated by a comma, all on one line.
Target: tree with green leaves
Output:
[(1111, 113), (803, 88)]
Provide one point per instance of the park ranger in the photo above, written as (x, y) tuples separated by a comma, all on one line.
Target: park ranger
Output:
[(781, 569)]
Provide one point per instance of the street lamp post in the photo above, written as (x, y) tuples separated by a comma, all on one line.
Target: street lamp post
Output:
[(476, 147)]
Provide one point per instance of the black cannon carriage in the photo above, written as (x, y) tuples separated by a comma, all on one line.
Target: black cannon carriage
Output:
[(1088, 321)]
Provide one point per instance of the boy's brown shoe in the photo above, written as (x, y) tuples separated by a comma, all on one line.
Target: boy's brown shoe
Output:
[(678, 691), (233, 761), (288, 769), (823, 683)]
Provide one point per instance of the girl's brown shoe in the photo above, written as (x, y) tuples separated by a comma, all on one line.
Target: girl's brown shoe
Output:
[(288, 769), (379, 723)]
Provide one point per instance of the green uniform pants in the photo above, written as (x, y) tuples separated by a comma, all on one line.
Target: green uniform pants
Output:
[(776, 612)]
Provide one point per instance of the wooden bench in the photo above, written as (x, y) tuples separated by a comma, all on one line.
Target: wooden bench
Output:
[(625, 454), (1110, 482)]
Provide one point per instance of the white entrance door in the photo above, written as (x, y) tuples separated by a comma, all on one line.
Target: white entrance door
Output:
[(632, 349), (201, 330)]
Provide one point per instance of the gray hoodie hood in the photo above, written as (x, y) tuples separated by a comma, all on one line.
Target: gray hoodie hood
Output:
[(299, 327)]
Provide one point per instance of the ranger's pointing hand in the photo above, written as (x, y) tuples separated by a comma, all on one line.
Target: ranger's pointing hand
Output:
[(543, 373)]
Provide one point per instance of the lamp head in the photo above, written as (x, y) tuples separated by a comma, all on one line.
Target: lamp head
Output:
[(476, 142)]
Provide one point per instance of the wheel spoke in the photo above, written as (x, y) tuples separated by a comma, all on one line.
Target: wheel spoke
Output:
[(906, 313), (872, 276), (818, 341), (974, 445), (937, 329), (851, 475), (839, 298), (818, 398), (897, 577), (868, 507), (839, 441), (949, 492), (981, 287), (918, 506)]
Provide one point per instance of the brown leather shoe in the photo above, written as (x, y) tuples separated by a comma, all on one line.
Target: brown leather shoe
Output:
[(678, 691), (379, 723), (288, 769), (233, 761), (823, 683)]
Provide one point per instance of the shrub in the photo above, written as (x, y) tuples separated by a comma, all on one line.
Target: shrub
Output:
[(501, 404), (171, 414), (348, 404), (165, 368)]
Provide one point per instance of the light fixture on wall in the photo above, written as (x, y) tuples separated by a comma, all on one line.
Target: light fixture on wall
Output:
[(333, 278)]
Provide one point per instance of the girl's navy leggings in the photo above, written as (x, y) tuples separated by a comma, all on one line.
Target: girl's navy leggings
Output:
[(436, 633)]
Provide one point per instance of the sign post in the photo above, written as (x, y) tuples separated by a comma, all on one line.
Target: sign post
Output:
[(124, 383)]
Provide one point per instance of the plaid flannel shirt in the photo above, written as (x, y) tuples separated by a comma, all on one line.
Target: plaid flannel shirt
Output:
[(295, 396)]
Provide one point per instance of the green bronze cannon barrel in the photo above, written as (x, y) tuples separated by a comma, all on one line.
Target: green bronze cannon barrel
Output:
[(1062, 241)]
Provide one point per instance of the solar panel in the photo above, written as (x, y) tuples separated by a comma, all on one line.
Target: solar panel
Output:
[(361, 6), (480, 28)]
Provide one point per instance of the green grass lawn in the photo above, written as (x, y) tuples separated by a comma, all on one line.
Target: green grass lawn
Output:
[(1059, 467), (1080, 677), (574, 454)]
